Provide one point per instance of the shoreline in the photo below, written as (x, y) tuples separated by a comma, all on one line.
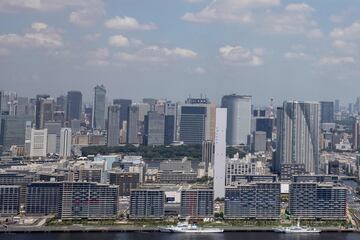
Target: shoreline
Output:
[(136, 229)]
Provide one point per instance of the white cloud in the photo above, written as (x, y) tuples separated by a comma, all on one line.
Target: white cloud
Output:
[(118, 41), (39, 26), (299, 7), (45, 5), (86, 17), (241, 55), (40, 36), (347, 47), (193, 1), (295, 19), (295, 55), (336, 60), (156, 54), (351, 32), (128, 23), (228, 10)]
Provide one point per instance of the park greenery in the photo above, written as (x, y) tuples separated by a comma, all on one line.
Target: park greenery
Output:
[(193, 152)]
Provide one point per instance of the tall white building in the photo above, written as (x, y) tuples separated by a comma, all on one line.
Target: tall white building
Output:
[(238, 118), (65, 142), (220, 153), (299, 134), (38, 145)]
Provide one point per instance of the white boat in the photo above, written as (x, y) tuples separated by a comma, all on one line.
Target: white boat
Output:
[(189, 228), (296, 229)]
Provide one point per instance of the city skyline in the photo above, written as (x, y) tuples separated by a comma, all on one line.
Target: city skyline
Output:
[(257, 48)]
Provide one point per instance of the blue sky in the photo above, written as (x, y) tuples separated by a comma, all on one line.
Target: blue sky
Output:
[(306, 50)]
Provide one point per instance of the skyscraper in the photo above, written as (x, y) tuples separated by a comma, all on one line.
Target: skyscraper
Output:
[(220, 153), (12, 130), (98, 115), (65, 143), (238, 119), (113, 129), (327, 112), (135, 124), (299, 133), (74, 105), (154, 128), (169, 129), (124, 109), (44, 107)]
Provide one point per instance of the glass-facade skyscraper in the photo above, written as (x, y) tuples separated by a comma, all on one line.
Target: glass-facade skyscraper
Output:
[(98, 116)]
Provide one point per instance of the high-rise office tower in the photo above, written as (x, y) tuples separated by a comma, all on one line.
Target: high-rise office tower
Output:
[(154, 128), (238, 119), (170, 129), (38, 145), (327, 112), (12, 130), (151, 101), (197, 121), (135, 124), (113, 129), (356, 134), (73, 105), (337, 106), (8, 102), (65, 143), (299, 133), (124, 109), (220, 153), (98, 114), (44, 108)]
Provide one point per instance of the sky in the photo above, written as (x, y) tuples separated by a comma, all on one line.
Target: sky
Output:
[(286, 50)]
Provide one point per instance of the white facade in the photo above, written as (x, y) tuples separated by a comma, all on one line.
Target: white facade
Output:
[(38, 145), (65, 142), (220, 153)]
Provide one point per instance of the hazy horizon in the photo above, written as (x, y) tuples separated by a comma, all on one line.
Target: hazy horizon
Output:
[(285, 50)]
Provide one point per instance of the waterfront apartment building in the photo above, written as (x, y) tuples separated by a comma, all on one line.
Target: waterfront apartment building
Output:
[(9, 200), (312, 200), (197, 203), (147, 204), (253, 200), (44, 198), (72, 200), (19, 179)]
